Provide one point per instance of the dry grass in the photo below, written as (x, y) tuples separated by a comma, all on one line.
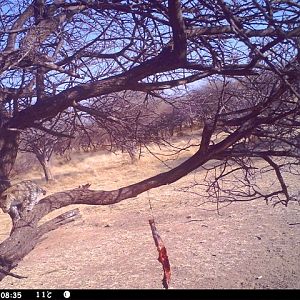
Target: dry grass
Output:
[(248, 245)]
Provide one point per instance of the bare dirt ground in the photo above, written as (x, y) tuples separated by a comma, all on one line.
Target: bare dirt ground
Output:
[(248, 245)]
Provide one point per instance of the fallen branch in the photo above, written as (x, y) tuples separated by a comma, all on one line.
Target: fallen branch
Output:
[(12, 274)]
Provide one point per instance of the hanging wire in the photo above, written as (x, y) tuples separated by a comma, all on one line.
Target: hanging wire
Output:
[(150, 206)]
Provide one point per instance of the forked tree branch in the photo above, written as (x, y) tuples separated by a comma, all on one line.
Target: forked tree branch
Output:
[(27, 233)]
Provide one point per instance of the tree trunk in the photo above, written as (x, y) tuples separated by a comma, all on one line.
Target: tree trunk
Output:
[(9, 143), (46, 166), (47, 171)]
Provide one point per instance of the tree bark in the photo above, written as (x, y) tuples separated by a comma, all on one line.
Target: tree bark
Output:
[(9, 143)]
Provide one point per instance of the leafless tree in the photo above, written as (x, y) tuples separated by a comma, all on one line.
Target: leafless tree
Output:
[(119, 121), (57, 57), (43, 145), (275, 140)]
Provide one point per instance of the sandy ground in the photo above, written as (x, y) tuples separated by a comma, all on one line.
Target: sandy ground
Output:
[(247, 245)]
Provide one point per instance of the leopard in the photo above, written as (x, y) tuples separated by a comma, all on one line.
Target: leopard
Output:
[(19, 197)]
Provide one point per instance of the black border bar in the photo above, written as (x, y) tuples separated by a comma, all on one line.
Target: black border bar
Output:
[(74, 294)]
